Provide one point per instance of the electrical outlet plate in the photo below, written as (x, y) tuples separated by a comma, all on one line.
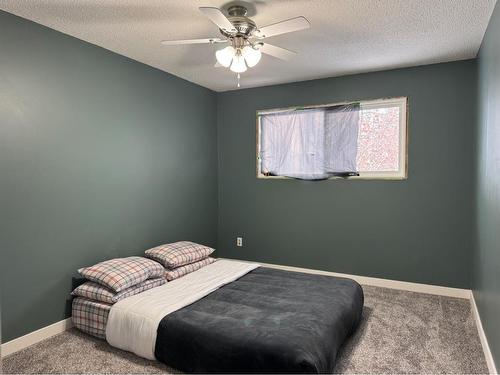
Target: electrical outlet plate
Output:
[(239, 241)]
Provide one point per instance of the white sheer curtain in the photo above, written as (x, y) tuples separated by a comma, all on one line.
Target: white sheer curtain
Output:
[(309, 143), (341, 139)]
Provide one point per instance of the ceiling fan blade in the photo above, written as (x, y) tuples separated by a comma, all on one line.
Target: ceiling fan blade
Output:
[(192, 41), (217, 17), (288, 26), (278, 52)]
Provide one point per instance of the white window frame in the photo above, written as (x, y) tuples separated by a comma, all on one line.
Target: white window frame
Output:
[(400, 102)]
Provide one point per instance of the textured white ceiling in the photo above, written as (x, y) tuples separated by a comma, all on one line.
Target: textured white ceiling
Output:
[(346, 36)]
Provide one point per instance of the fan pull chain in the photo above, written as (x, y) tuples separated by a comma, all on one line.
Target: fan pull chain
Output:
[(238, 80)]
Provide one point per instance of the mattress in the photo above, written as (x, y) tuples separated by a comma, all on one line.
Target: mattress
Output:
[(90, 316), (266, 321)]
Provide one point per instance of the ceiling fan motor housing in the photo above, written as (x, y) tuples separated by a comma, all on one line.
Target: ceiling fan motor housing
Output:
[(244, 25)]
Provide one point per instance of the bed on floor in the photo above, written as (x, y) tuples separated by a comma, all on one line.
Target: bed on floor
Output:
[(235, 317)]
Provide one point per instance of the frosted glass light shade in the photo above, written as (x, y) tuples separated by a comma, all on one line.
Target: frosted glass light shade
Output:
[(238, 65), (252, 56), (225, 56)]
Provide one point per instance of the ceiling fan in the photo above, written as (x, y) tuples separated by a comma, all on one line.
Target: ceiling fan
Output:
[(244, 38)]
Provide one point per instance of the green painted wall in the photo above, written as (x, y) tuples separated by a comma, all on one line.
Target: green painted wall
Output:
[(487, 256), (415, 230), (100, 156)]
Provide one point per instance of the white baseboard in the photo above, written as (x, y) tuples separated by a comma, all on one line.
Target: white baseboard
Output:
[(384, 283), (35, 336), (482, 336)]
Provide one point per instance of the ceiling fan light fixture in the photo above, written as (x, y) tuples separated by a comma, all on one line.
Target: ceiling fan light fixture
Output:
[(238, 65), (252, 56), (225, 56), (243, 35)]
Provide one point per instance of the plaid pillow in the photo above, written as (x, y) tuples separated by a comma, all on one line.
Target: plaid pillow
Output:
[(188, 268), (122, 273), (96, 292), (177, 254), (90, 316)]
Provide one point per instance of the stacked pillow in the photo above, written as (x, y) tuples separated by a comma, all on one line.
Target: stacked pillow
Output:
[(181, 258), (109, 282), (115, 279)]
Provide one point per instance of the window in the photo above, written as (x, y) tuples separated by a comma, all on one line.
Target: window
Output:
[(359, 140)]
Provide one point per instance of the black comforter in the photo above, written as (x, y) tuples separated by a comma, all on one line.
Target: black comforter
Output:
[(267, 321)]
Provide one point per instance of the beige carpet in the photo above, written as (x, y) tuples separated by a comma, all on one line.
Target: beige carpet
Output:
[(401, 332)]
